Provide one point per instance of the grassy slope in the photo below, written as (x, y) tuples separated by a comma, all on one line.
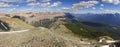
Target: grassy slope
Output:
[(16, 24), (83, 31), (91, 32)]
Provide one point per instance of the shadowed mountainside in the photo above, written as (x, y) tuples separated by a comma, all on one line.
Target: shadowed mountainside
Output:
[(91, 28)]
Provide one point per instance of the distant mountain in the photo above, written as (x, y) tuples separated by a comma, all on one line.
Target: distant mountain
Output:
[(36, 17), (110, 19), (94, 25)]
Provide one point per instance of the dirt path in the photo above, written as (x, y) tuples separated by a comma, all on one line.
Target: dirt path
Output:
[(14, 31)]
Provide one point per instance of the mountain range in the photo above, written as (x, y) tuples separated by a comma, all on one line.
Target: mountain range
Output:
[(62, 30), (110, 19)]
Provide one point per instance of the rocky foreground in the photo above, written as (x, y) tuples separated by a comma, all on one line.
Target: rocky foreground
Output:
[(38, 37)]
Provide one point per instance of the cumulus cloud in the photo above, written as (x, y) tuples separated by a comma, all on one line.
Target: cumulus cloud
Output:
[(80, 5), (56, 4), (108, 1), (24, 1), (110, 11), (38, 0), (45, 0), (33, 4), (48, 4), (65, 8), (111, 1), (4, 4), (45, 4), (30, 0), (102, 5), (41, 3), (84, 4), (93, 8), (12, 0)]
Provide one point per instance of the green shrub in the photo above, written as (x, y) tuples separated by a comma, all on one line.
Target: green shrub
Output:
[(87, 32)]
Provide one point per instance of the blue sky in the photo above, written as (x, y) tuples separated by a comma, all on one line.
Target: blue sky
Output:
[(73, 6)]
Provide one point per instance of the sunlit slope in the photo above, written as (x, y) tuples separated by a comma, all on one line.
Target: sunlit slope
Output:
[(35, 17), (38, 37), (16, 24)]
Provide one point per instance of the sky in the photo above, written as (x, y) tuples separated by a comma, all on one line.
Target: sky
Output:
[(72, 6)]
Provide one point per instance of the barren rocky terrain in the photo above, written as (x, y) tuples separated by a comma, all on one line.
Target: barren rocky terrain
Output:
[(39, 37), (22, 34), (25, 35)]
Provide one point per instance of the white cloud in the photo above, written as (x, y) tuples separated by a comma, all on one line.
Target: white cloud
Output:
[(102, 5), (30, 0), (45, 0), (65, 8), (111, 1), (108, 1), (4, 4), (116, 1), (55, 4), (80, 5), (45, 4), (38, 0), (48, 4), (12, 0), (84, 4), (93, 8), (33, 4), (24, 1)]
